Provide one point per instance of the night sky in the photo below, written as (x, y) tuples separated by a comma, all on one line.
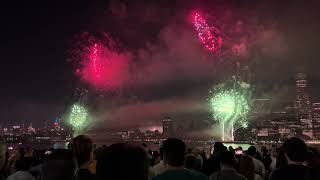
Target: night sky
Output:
[(38, 80)]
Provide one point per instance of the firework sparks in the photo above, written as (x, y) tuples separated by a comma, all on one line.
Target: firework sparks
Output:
[(103, 67), (229, 106), (94, 58), (78, 117), (205, 34)]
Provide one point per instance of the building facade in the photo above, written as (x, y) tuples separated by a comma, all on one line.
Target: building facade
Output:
[(303, 105), (167, 127), (316, 120)]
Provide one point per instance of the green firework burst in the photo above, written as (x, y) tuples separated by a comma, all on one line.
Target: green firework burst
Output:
[(78, 117), (229, 106)]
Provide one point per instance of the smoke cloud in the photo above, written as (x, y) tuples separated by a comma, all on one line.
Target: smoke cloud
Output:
[(170, 72)]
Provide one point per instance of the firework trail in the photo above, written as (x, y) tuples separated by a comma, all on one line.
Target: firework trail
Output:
[(95, 62)]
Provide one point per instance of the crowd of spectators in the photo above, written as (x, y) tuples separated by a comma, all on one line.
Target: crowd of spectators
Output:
[(81, 160)]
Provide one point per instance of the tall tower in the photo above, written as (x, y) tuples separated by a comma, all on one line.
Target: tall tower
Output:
[(316, 119), (167, 127), (303, 105)]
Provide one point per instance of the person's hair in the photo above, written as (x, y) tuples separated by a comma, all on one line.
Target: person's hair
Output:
[(281, 160), (3, 151), (22, 152), (60, 164), (155, 157), (190, 162), (295, 149), (161, 152), (82, 148), (218, 147), (174, 152), (227, 158), (246, 167), (123, 161), (252, 150)]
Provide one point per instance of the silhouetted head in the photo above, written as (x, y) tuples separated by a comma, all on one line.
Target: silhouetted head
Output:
[(295, 149), (122, 162), (60, 164), (82, 147), (231, 148), (218, 147), (174, 152), (252, 151), (227, 158), (246, 167), (190, 162)]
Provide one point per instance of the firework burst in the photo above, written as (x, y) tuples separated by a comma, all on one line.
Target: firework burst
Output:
[(78, 117), (229, 106), (206, 33)]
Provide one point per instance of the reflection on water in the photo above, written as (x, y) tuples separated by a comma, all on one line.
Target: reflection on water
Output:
[(244, 146)]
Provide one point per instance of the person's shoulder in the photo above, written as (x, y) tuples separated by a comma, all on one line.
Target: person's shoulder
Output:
[(158, 166), (213, 176), (257, 177), (161, 176), (241, 177), (276, 174), (186, 172), (84, 174), (255, 160), (196, 174)]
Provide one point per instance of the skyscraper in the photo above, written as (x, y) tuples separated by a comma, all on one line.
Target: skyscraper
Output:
[(167, 127), (316, 119), (303, 105)]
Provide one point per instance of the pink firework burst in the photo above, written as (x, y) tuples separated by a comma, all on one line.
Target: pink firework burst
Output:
[(205, 33), (104, 68)]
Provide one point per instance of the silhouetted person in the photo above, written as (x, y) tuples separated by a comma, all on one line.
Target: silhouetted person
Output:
[(198, 163), (258, 165), (155, 158), (231, 149), (3, 150), (21, 175), (123, 162), (246, 168), (227, 171), (213, 163), (174, 157), (82, 148), (266, 158), (281, 160), (160, 167), (24, 162), (59, 165), (295, 152), (190, 162), (313, 161)]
